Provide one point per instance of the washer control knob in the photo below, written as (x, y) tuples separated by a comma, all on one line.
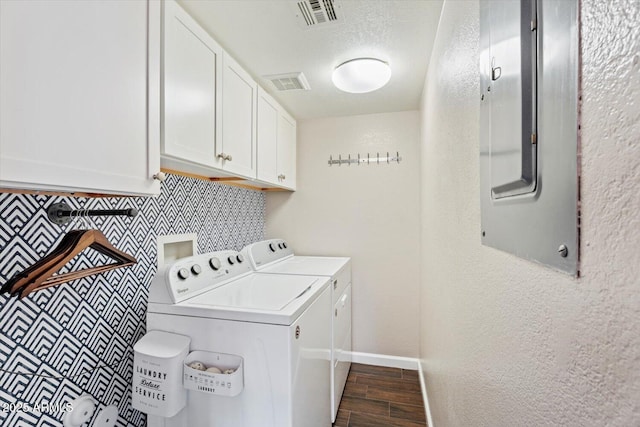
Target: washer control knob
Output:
[(196, 269), (284, 245), (183, 273), (231, 260), (240, 258), (215, 263), (280, 245), (272, 246)]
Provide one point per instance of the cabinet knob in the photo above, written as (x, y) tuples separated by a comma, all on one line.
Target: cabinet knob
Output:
[(281, 177), (160, 176), (225, 156), (229, 158)]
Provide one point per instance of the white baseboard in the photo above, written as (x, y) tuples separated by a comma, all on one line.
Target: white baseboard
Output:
[(385, 360), (423, 387)]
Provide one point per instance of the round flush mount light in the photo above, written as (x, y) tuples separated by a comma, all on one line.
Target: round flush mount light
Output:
[(361, 75)]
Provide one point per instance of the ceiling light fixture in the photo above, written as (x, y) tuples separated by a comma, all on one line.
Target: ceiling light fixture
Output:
[(361, 75)]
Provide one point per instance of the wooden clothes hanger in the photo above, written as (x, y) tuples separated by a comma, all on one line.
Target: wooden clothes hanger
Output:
[(27, 275), (41, 274)]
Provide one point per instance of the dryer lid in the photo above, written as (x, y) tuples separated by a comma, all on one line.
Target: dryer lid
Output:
[(309, 265)]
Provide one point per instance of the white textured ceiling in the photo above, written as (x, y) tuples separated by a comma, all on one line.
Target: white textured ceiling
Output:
[(265, 38)]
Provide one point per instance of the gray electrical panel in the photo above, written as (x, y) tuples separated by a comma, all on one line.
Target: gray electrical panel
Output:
[(529, 129)]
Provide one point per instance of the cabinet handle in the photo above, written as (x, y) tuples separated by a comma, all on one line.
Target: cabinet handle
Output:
[(160, 176), (225, 156), (343, 300)]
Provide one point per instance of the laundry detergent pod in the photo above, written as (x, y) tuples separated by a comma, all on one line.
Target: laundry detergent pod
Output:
[(214, 370), (199, 366)]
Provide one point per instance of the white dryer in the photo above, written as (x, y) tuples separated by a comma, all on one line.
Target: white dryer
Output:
[(275, 256), (278, 324)]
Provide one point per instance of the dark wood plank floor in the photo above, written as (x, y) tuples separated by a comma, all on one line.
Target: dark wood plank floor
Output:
[(376, 396)]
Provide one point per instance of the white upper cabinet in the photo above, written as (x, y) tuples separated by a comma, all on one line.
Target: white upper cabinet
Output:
[(217, 121), (79, 96), (286, 150), (192, 76), (239, 96), (267, 130), (276, 135)]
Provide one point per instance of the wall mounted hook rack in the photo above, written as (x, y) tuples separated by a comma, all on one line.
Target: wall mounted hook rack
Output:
[(368, 160)]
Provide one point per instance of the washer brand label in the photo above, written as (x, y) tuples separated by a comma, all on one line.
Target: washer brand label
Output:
[(183, 290)]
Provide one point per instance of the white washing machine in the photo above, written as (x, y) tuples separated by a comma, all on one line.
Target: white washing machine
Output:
[(278, 324), (275, 256)]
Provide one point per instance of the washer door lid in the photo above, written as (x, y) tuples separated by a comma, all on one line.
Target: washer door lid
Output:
[(257, 292)]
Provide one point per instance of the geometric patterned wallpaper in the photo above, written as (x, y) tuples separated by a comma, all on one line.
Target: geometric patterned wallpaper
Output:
[(78, 337)]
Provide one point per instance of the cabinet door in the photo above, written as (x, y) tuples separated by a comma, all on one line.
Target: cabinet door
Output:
[(276, 143), (192, 72), (286, 150), (78, 99), (267, 137), (239, 98)]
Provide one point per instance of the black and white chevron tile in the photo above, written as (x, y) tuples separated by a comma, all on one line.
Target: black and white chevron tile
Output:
[(78, 338)]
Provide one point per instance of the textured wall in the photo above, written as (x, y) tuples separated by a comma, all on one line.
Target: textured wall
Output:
[(367, 212), (65, 333), (505, 342)]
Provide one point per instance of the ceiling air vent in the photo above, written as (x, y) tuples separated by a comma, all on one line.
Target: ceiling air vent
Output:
[(289, 81), (313, 13)]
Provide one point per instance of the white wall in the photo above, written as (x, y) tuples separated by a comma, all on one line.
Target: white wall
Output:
[(505, 342), (370, 213)]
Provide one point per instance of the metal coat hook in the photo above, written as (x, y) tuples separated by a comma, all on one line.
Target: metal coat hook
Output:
[(361, 159)]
